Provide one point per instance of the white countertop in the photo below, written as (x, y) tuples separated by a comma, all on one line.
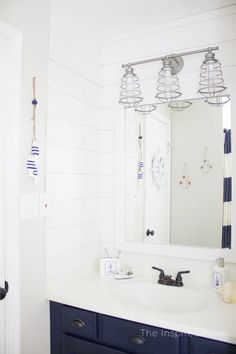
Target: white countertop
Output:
[(217, 321)]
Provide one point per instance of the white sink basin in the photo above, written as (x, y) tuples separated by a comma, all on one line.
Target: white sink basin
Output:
[(161, 298)]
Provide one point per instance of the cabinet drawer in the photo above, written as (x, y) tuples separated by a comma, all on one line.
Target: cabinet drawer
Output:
[(138, 338), (79, 322), (71, 345), (207, 346)]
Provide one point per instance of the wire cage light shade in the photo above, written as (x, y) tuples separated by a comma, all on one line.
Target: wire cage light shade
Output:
[(168, 88), (211, 77), (218, 101), (179, 106), (130, 93), (145, 109)]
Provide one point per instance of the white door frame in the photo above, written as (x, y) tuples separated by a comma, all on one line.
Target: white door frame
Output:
[(13, 39)]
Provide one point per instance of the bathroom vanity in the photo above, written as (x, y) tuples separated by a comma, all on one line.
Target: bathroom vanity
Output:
[(86, 318), (77, 331)]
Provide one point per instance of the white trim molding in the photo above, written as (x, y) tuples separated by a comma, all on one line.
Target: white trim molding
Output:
[(13, 39)]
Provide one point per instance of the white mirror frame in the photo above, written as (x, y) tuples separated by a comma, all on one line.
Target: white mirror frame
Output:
[(200, 253)]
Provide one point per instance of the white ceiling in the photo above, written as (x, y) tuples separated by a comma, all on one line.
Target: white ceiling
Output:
[(110, 17)]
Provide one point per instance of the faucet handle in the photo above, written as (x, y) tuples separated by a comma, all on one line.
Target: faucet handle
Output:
[(179, 279), (162, 273)]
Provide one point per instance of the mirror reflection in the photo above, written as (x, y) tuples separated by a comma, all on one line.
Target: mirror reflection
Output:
[(178, 175)]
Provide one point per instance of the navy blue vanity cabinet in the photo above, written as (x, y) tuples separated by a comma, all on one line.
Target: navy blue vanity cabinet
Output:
[(77, 331), (207, 346)]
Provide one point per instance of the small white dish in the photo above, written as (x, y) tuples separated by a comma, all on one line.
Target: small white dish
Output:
[(122, 275)]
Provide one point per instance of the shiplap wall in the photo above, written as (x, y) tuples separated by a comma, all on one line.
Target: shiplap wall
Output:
[(79, 154), (81, 115), (207, 29)]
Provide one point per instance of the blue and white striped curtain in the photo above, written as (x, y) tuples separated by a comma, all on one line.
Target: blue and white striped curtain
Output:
[(227, 193)]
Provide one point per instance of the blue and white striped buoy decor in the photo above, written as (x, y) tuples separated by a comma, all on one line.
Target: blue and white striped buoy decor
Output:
[(33, 160)]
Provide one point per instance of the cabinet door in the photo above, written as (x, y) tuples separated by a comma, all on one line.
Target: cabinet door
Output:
[(138, 338), (78, 322), (71, 345), (207, 346)]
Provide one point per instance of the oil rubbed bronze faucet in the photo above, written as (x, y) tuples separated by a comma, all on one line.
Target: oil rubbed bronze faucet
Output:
[(167, 279)]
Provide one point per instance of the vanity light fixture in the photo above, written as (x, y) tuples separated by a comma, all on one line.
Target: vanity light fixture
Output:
[(145, 109), (168, 88), (130, 93), (218, 101), (211, 85), (179, 106), (211, 77)]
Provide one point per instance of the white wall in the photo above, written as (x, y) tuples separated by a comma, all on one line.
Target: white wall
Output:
[(78, 157), (31, 17), (207, 29)]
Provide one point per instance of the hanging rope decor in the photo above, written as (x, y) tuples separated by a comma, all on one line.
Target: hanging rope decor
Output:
[(140, 154), (33, 160), (185, 181), (206, 165)]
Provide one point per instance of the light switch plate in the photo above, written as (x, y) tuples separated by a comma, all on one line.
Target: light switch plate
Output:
[(29, 206), (45, 205)]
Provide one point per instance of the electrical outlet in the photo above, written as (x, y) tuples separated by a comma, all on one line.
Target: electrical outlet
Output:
[(45, 205)]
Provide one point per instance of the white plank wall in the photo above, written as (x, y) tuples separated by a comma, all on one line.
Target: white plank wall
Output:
[(79, 149), (84, 79), (207, 29)]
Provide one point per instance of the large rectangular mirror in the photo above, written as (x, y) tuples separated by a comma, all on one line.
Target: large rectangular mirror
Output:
[(178, 175)]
